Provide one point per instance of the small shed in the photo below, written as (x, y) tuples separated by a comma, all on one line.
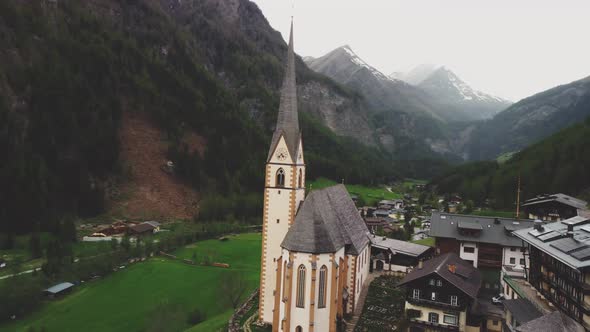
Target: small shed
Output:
[(59, 289), (144, 228)]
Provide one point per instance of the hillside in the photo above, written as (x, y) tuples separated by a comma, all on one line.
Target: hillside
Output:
[(531, 120), (194, 69), (404, 117), (556, 164), (456, 100)]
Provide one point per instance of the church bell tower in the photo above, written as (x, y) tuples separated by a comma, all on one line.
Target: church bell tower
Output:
[(284, 187)]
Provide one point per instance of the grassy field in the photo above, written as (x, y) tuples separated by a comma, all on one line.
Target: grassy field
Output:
[(371, 195), (132, 299), (429, 241)]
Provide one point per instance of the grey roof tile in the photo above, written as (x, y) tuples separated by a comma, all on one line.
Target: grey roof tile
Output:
[(522, 310), (403, 247), (489, 229), (326, 222), (561, 198), (466, 277), (553, 322), (288, 120)]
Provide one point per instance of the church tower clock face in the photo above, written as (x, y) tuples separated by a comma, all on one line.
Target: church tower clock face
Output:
[(281, 154)]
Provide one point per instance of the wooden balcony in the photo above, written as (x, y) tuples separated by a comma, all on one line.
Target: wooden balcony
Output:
[(433, 326), (489, 263)]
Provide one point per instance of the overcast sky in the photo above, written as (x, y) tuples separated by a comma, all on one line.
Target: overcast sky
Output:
[(510, 48)]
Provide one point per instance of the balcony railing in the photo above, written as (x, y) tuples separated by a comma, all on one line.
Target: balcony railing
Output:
[(489, 263), (436, 326), (445, 305)]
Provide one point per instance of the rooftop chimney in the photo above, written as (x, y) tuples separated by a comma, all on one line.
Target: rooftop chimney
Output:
[(570, 230), (452, 268)]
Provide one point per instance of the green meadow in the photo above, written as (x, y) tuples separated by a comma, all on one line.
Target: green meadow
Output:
[(157, 292), (370, 195)]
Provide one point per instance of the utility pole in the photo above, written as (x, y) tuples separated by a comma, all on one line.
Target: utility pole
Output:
[(518, 199)]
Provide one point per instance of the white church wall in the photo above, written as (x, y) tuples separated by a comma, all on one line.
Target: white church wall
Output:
[(300, 316), (278, 212), (322, 315)]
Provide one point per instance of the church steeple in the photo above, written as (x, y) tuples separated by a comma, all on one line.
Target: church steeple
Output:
[(288, 120), (284, 190)]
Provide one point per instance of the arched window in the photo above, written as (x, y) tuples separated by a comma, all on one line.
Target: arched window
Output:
[(300, 301), (285, 279), (280, 178), (300, 180), (323, 286), (298, 329)]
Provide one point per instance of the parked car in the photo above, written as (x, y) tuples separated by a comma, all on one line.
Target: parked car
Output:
[(498, 299)]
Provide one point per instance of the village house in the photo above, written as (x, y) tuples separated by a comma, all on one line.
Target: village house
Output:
[(383, 224), (483, 241), (395, 255), (144, 228), (441, 295), (554, 207), (559, 267), (396, 204)]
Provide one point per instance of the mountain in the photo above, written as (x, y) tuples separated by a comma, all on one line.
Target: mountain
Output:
[(416, 74), (84, 85), (403, 116), (558, 163), (530, 120), (456, 100), (381, 92)]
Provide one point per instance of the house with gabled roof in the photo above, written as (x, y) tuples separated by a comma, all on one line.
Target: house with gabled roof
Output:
[(553, 207), (441, 295)]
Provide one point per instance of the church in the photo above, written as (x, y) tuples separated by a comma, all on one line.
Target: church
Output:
[(315, 249)]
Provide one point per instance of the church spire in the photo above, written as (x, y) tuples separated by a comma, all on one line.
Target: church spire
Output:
[(288, 120)]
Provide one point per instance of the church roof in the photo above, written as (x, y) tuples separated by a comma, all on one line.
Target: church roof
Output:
[(288, 120), (327, 221)]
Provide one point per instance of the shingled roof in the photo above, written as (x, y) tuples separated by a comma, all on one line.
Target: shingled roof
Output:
[(481, 229), (560, 198), (465, 277), (326, 222), (522, 310), (399, 247), (288, 120), (553, 322)]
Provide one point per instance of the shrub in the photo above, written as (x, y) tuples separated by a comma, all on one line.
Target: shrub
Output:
[(195, 317)]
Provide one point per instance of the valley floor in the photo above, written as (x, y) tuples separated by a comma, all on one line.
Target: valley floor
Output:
[(158, 291)]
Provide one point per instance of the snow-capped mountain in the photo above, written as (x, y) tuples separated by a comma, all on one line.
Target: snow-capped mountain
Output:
[(382, 92), (416, 74), (460, 102)]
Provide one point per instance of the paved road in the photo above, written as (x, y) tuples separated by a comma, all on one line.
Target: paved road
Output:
[(17, 274)]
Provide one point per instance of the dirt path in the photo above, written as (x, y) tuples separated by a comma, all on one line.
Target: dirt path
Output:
[(150, 192)]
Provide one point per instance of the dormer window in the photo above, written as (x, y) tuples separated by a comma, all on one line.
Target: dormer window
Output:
[(280, 178)]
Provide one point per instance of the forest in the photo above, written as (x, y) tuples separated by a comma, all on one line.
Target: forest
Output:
[(558, 164), (69, 73)]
